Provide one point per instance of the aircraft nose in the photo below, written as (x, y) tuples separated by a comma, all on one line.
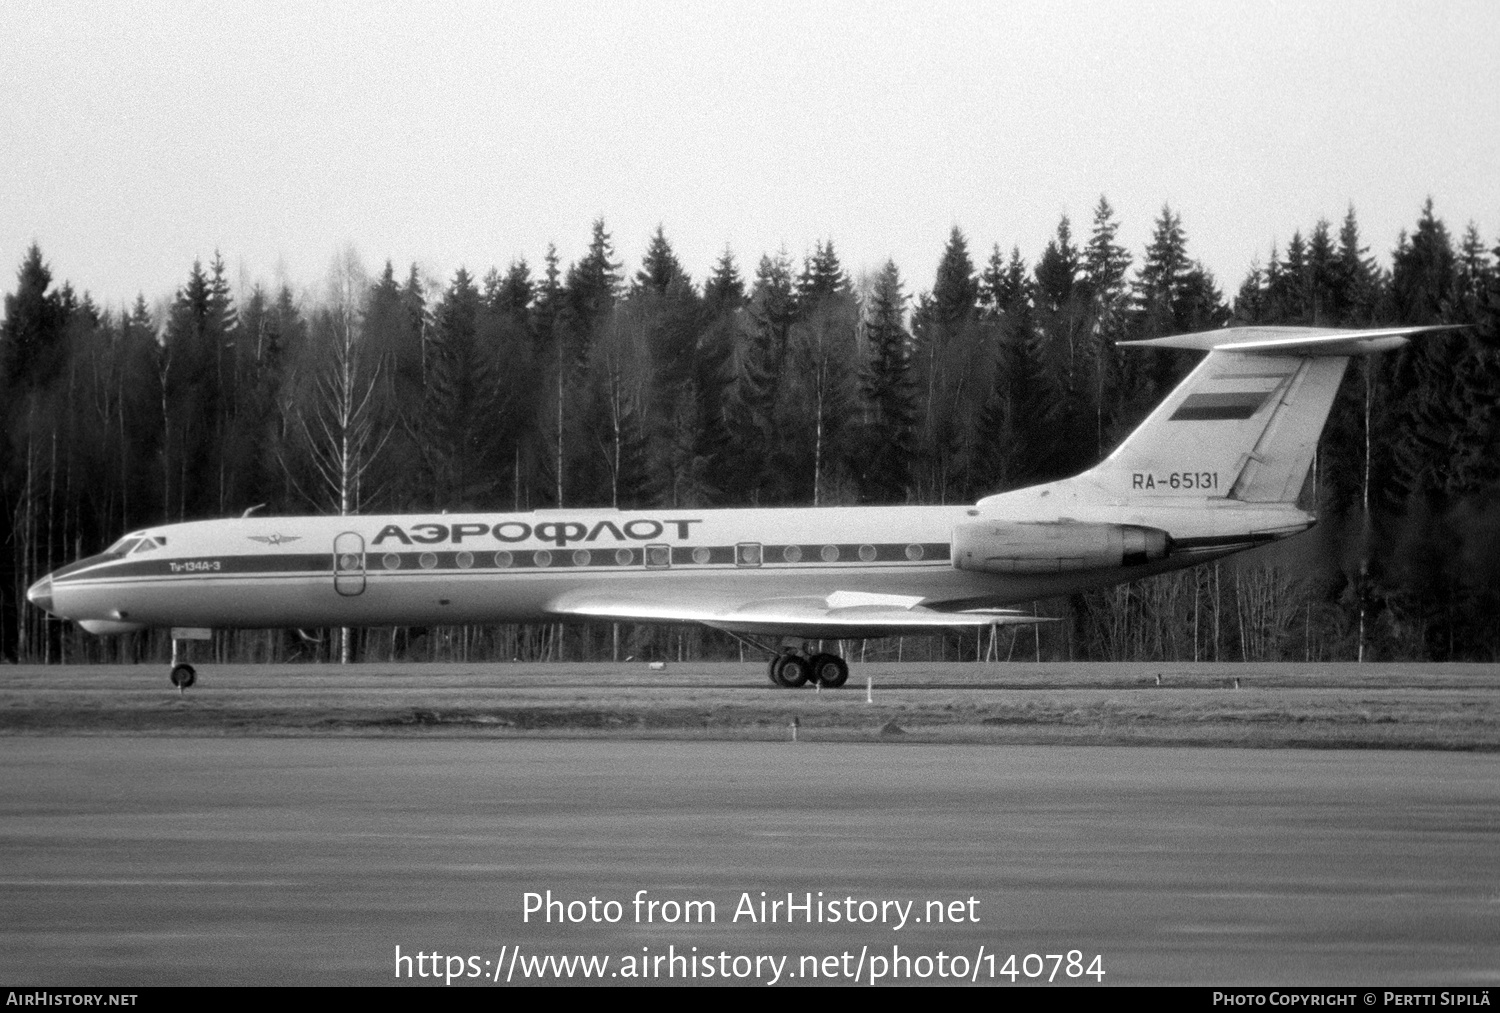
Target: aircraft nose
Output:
[(40, 593)]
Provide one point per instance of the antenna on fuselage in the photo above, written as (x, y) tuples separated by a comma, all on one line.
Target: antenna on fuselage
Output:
[(251, 510)]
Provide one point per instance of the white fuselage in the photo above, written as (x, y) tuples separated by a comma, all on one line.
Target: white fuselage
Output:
[(483, 568)]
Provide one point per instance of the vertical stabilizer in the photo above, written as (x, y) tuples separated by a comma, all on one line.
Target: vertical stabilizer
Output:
[(1244, 425)]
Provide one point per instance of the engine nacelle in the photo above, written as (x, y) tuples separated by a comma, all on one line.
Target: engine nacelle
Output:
[(1054, 546)]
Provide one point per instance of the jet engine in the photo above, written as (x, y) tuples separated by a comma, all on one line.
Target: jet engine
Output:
[(1054, 546)]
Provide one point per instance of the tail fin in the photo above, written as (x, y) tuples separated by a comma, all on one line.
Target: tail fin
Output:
[(1245, 423)]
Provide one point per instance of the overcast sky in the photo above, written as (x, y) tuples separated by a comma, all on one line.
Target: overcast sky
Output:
[(137, 138)]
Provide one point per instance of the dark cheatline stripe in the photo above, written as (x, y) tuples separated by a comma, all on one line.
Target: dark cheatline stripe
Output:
[(212, 566), (466, 561), (1207, 407)]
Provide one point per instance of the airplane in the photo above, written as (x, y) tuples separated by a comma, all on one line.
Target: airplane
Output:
[(1216, 468)]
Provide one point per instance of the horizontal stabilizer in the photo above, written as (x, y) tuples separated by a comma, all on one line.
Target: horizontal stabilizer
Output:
[(1292, 340)]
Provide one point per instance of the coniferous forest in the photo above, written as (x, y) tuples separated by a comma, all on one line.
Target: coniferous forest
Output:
[(784, 382)]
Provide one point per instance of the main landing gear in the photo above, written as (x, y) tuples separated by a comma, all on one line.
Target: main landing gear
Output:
[(793, 670)]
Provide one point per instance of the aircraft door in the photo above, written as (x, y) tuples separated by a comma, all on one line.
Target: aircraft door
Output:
[(349, 564)]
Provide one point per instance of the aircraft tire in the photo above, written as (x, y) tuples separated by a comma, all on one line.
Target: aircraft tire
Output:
[(792, 670), (183, 676), (830, 670)]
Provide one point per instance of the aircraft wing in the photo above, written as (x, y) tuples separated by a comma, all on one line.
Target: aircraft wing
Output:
[(840, 615)]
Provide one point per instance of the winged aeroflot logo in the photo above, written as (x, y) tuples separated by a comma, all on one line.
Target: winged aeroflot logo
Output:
[(273, 539)]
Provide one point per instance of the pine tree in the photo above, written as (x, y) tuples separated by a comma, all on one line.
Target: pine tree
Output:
[(724, 292), (592, 286), (32, 331), (1471, 276), (257, 433), (392, 335), (138, 416), (1422, 270), (1288, 292), (462, 402), (1018, 423), (1250, 303), (1160, 279), (955, 293), (549, 327), (33, 349), (991, 281), (1356, 279), (773, 309), (195, 388), (1063, 321), (648, 378), (714, 380), (822, 278), (889, 393), (514, 295), (1057, 271), (239, 479), (660, 268), (1104, 265), (1441, 479), (1200, 304), (419, 319), (1444, 384), (221, 301), (1322, 276), (951, 363), (588, 298), (1006, 290), (761, 346), (547, 303)]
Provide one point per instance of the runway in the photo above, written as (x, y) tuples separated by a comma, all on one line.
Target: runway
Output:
[(265, 860)]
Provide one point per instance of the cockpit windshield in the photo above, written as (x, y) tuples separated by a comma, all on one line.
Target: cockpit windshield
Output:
[(147, 544), (124, 546)]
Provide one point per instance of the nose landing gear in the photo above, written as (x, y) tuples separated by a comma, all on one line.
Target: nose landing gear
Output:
[(184, 675)]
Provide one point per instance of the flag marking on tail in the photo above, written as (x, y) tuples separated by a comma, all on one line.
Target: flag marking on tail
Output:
[(1212, 407)]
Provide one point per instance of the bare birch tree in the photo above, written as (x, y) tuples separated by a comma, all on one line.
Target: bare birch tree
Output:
[(336, 416)]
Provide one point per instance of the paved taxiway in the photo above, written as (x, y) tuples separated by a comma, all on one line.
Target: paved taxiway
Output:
[(130, 861)]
